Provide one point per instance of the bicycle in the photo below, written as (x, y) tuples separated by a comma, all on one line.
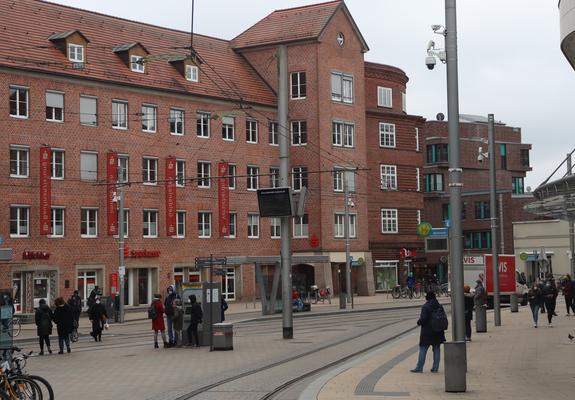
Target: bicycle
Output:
[(13, 387), (12, 326), (17, 369)]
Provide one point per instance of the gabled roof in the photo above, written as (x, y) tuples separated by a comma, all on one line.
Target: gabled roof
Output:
[(125, 47), (297, 24), (63, 35)]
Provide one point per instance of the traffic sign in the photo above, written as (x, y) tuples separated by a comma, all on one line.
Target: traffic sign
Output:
[(439, 232), (424, 229), (202, 262)]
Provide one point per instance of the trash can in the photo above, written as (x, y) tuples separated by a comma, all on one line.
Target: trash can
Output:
[(480, 319), (514, 303), (455, 361), (223, 336)]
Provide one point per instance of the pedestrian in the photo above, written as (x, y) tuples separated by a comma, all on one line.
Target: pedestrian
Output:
[(550, 297), (224, 307), (43, 319), (75, 303), (196, 317), (178, 321), (99, 317), (568, 294), (469, 301), (156, 311), (92, 297), (429, 336), (480, 294), (169, 310), (64, 319), (535, 301), (410, 281)]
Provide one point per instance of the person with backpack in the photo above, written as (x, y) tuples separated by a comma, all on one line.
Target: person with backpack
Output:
[(535, 302), (433, 322), (43, 319), (169, 310), (469, 303), (156, 314), (196, 316), (550, 299)]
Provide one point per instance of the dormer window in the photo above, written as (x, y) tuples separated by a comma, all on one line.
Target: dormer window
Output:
[(76, 53), (137, 64), (133, 55), (192, 73)]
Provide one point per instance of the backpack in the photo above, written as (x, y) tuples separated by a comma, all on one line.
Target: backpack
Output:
[(152, 313), (439, 322)]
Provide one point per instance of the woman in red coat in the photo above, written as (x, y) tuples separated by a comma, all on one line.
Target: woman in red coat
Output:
[(158, 320)]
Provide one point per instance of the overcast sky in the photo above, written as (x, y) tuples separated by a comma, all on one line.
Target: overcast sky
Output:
[(510, 62)]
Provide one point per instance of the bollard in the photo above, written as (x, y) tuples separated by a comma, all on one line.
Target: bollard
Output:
[(514, 303), (342, 300), (455, 366), (480, 319)]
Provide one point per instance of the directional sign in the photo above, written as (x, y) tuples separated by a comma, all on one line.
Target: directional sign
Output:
[(202, 262), (439, 232)]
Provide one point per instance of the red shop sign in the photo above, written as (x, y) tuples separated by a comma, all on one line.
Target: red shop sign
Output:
[(405, 253), (35, 255), (506, 273), (144, 253)]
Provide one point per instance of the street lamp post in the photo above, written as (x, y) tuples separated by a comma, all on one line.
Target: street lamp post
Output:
[(493, 218)]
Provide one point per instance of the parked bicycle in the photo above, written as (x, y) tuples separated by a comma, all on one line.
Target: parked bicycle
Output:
[(321, 294), (404, 292), (17, 369), (14, 326)]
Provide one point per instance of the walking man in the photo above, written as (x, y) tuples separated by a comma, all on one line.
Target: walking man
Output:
[(196, 316), (430, 334), (169, 304)]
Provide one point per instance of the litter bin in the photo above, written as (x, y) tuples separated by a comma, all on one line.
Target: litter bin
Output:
[(223, 336), (480, 318)]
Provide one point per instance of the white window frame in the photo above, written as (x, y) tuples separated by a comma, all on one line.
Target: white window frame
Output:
[(148, 223), (416, 139), (418, 179), (20, 162), (384, 97), (53, 175), (418, 217), (387, 136), (253, 226), (274, 177), (253, 178), (180, 223), (403, 102), (232, 225), (90, 212), (137, 64), (388, 177), (341, 79), (229, 129), (149, 168), (274, 130), (252, 131), (180, 173), (299, 178), (203, 124), (338, 176), (84, 114), (126, 223), (54, 210), (348, 135), (177, 121), (192, 73), (123, 177), (53, 109), (389, 220), (275, 228), (204, 224), (299, 125), (232, 180), (19, 90), (204, 172), (337, 133), (19, 219), (120, 114), (149, 112), (88, 177), (76, 53), (301, 227), (339, 225), (298, 94)]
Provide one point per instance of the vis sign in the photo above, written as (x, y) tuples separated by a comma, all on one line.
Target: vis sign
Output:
[(506, 273), (473, 260)]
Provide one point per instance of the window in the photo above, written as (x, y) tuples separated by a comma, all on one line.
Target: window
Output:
[(343, 134), (388, 220), (503, 153), (298, 133), (75, 53), (274, 133), (232, 176), (524, 154), (88, 166), (204, 225), (203, 125), (339, 225), (176, 121), (89, 222), (137, 64), (19, 102), (341, 87), (299, 178), (123, 168), (434, 183), (150, 223), (274, 177), (403, 102), (251, 131), (477, 240), (517, 185), (19, 162), (119, 114), (54, 107), (57, 222), (88, 111), (192, 73), (149, 118), (418, 218), (57, 164), (180, 224), (384, 97), (388, 177), (253, 179), (204, 173), (253, 226), (337, 134), (180, 173), (348, 135), (300, 227), (298, 85), (482, 210), (275, 228), (150, 171), (19, 221), (386, 135), (228, 128), (233, 225), (338, 179), (416, 139), (437, 153), (417, 180)]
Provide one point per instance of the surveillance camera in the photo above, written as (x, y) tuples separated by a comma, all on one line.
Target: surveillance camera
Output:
[(480, 157), (430, 62), (430, 45), (435, 28)]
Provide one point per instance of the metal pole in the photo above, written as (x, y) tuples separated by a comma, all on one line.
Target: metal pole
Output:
[(287, 312), (211, 302), (121, 266), (501, 226), (346, 235), (493, 218), (571, 221)]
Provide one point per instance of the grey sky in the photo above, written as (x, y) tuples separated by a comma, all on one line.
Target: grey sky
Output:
[(510, 62)]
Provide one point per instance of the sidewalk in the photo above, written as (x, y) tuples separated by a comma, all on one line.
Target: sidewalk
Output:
[(513, 361)]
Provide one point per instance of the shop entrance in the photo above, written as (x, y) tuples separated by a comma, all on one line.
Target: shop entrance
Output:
[(229, 284), (87, 281)]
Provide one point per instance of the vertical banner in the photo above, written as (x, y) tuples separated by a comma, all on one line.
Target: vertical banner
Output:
[(111, 179), (114, 283), (507, 282), (223, 199), (170, 178), (45, 191)]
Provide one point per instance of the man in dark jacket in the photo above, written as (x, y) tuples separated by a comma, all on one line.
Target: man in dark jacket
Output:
[(64, 320), (75, 303), (98, 316), (196, 316), (428, 337), (43, 319), (171, 297)]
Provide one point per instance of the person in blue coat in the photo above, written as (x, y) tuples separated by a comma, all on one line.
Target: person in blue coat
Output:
[(427, 336)]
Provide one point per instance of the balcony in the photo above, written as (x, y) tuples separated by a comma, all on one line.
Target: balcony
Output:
[(567, 26)]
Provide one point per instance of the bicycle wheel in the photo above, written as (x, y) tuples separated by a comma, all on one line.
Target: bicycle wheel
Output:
[(404, 293), (45, 387), (395, 293), (417, 293), (25, 388), (16, 326)]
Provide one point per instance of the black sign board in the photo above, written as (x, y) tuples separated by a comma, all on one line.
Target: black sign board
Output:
[(203, 262), (275, 202)]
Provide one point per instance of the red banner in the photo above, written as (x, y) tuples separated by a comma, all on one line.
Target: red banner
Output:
[(111, 179), (223, 199), (114, 283), (506, 273), (170, 179), (45, 191)]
